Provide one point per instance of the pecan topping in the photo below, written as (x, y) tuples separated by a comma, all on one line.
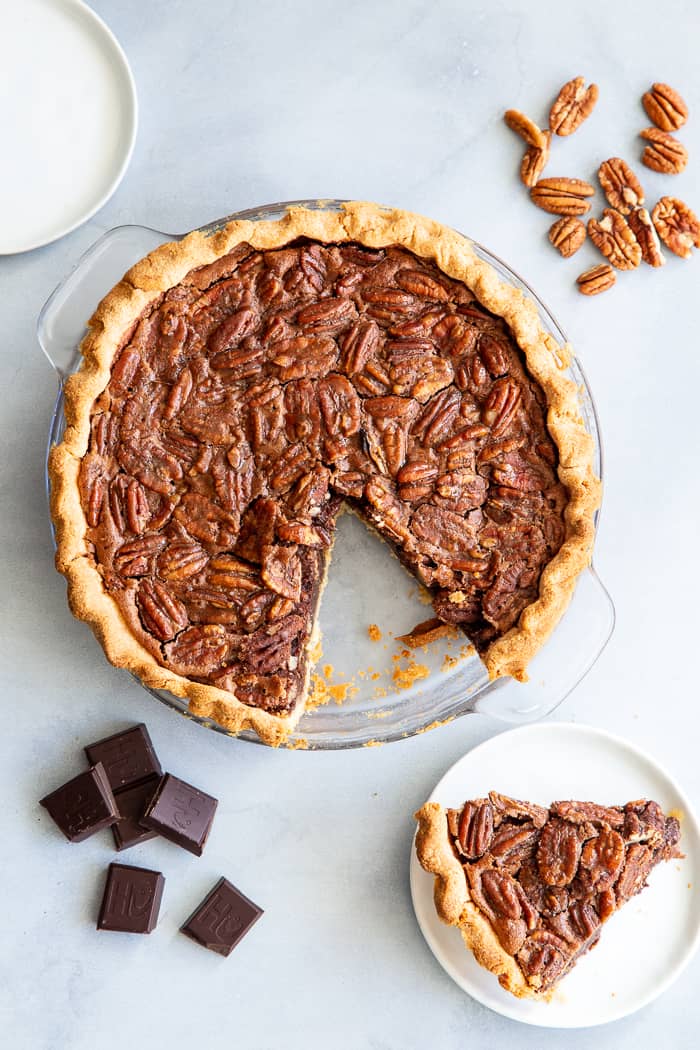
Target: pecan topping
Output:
[(614, 238), (597, 279), (665, 107), (664, 152), (572, 105), (263, 390), (677, 226), (642, 227), (562, 196), (526, 128), (547, 879), (567, 235), (535, 161), (620, 185)]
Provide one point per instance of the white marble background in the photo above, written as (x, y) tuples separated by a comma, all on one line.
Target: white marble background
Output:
[(243, 103)]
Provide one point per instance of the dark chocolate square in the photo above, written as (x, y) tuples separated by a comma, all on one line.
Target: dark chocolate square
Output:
[(83, 805), (222, 919), (132, 804), (131, 900), (181, 813), (128, 757)]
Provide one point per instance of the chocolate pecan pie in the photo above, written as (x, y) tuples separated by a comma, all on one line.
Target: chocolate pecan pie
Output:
[(238, 390), (529, 888)]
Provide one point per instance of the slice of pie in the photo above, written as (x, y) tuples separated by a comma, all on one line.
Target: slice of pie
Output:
[(530, 888), (238, 390)]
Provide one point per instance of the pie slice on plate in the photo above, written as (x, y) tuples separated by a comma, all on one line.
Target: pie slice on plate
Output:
[(529, 888), (238, 390)]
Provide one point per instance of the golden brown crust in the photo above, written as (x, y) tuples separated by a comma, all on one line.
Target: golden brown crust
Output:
[(455, 907), (374, 227)]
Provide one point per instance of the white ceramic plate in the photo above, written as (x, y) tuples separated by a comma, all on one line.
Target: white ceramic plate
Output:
[(643, 947), (69, 122)]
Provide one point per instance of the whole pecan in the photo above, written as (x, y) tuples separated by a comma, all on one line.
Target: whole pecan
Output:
[(589, 813), (597, 279), (665, 107), (476, 828), (135, 557), (562, 196), (641, 225), (327, 314), (567, 235), (558, 853), (198, 650), (572, 105), (281, 571), (602, 858), (677, 226), (664, 152), (535, 161), (526, 128), (162, 614), (620, 185), (181, 558), (419, 283), (614, 238)]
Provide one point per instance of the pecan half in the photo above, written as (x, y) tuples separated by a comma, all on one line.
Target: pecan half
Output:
[(677, 226), (562, 196), (572, 105), (589, 813), (281, 571), (162, 614), (647, 237), (665, 107), (621, 186), (665, 153), (602, 858), (535, 161), (567, 235), (526, 128), (558, 853), (614, 238), (597, 279), (475, 829), (198, 650)]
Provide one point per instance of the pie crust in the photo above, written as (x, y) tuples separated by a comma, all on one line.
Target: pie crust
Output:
[(373, 227)]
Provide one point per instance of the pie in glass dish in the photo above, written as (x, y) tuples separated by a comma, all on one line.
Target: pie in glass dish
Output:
[(530, 888), (238, 391)]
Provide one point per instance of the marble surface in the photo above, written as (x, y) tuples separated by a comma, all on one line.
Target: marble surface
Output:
[(401, 103)]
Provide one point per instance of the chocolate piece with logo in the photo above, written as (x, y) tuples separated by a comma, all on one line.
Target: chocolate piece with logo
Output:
[(181, 813), (128, 757), (131, 899), (222, 919), (83, 805)]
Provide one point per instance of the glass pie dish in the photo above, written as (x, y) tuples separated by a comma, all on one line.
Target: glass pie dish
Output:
[(373, 690)]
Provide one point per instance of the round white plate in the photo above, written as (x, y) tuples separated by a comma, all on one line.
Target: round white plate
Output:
[(69, 121), (645, 945)]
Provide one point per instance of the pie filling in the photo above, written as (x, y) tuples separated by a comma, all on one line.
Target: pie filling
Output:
[(546, 880), (253, 398)]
